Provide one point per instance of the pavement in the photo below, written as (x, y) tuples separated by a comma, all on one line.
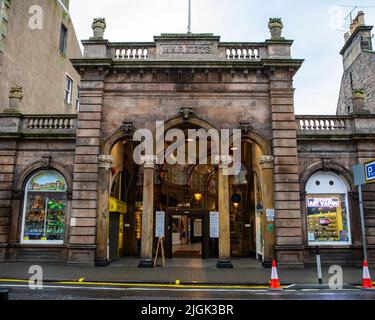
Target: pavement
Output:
[(185, 271)]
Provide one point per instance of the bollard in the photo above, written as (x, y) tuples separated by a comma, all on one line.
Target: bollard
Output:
[(4, 295), (319, 266)]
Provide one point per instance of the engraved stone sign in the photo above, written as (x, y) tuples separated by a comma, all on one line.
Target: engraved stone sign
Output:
[(186, 49)]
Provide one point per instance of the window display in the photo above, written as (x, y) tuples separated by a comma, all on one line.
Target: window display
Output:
[(44, 209), (327, 219), (327, 210)]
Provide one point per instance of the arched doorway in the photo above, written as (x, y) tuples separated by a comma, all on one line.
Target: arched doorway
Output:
[(187, 193)]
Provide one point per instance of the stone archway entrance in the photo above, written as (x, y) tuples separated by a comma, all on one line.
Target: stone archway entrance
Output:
[(242, 221)]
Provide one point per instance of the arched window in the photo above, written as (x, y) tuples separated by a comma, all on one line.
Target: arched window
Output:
[(44, 209), (327, 210)]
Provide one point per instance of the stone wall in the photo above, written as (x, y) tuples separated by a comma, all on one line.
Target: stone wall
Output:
[(322, 154), (32, 60), (362, 71)]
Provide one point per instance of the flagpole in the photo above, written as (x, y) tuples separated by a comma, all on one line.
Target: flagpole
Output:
[(189, 18)]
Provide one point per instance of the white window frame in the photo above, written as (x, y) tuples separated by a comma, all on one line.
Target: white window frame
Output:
[(68, 91), (27, 191), (336, 190), (78, 98)]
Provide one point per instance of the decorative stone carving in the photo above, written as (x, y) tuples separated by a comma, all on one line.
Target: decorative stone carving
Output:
[(105, 162), (246, 127), (186, 113), (276, 26), (224, 161), (98, 26), (358, 98), (149, 161), (15, 98), (46, 162), (128, 128), (266, 162)]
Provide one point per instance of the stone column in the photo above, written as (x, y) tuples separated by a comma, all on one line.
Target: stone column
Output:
[(266, 164), (224, 220), (104, 176), (148, 213)]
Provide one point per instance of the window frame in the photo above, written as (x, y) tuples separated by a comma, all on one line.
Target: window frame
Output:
[(68, 92), (78, 98), (63, 40), (25, 202), (328, 194)]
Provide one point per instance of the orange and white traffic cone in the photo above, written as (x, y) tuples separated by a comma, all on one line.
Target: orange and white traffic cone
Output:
[(274, 283), (367, 283)]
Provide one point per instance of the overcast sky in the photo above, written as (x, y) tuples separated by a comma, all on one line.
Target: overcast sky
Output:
[(316, 26)]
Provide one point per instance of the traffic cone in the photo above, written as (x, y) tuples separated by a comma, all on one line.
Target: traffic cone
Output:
[(367, 283), (274, 283)]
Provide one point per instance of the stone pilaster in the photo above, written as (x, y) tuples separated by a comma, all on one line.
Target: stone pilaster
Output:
[(269, 236), (7, 164), (104, 177), (286, 174), (82, 240), (224, 219), (148, 212)]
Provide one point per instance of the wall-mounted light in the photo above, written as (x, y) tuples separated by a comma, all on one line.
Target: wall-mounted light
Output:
[(236, 205)]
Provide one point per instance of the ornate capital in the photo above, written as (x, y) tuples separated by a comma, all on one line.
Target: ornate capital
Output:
[(224, 161), (149, 161), (266, 162), (105, 162)]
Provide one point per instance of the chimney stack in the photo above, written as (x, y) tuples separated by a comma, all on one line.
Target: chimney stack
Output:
[(361, 18)]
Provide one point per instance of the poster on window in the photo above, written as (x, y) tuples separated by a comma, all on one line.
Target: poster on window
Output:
[(327, 220), (45, 208)]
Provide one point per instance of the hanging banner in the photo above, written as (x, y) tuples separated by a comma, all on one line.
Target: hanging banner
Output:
[(160, 224), (214, 225)]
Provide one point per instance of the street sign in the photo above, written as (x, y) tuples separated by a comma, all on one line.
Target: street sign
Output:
[(160, 224), (214, 225), (370, 172)]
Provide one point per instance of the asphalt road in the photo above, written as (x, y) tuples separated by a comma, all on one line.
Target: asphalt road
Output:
[(82, 292)]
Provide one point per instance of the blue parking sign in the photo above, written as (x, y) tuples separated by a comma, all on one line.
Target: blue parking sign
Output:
[(370, 171)]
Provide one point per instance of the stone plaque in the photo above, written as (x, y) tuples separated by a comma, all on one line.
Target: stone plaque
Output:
[(186, 49)]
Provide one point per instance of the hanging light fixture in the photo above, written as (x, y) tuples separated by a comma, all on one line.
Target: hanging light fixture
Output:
[(198, 196), (236, 205)]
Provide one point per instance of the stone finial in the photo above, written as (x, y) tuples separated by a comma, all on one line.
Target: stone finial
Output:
[(276, 26), (15, 98), (358, 98), (98, 26)]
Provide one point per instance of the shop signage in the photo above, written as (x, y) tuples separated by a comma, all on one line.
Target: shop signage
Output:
[(160, 224), (214, 225), (323, 203), (370, 171)]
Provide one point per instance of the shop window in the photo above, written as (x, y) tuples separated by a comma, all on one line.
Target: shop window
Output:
[(44, 209), (327, 210)]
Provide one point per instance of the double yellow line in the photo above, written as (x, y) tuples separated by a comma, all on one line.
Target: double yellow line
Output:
[(81, 282)]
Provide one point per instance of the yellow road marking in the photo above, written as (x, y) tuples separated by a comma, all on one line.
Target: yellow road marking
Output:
[(144, 285)]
